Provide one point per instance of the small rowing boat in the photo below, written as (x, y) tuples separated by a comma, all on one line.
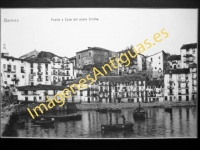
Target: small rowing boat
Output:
[(118, 110), (64, 117), (139, 113), (117, 127)]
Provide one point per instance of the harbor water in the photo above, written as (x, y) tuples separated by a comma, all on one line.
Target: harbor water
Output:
[(181, 123)]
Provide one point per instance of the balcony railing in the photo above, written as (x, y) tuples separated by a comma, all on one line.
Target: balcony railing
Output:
[(194, 77), (170, 87), (15, 79), (39, 80), (187, 60), (194, 91), (170, 93), (39, 73), (188, 55)]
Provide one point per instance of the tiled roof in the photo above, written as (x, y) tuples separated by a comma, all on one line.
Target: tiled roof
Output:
[(174, 57), (11, 57), (40, 87), (178, 71), (193, 65), (155, 83), (156, 53), (72, 58), (38, 60), (187, 46), (94, 48), (50, 55)]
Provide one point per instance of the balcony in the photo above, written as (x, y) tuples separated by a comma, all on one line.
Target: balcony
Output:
[(170, 93), (15, 79), (54, 73), (39, 80), (22, 71), (188, 55), (187, 60), (194, 91), (170, 87), (179, 93), (194, 77), (194, 70), (7, 70), (39, 73)]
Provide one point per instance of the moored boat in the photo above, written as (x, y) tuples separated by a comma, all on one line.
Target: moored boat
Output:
[(102, 110), (64, 117), (117, 127), (139, 113), (168, 108), (118, 110)]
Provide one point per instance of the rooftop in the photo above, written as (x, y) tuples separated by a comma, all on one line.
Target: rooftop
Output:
[(193, 65), (11, 57), (38, 60), (50, 55), (94, 48), (187, 46), (174, 57), (40, 87), (155, 83), (178, 71)]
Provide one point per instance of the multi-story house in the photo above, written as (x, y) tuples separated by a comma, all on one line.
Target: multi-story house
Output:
[(136, 64), (40, 71), (62, 69), (174, 62), (193, 71), (178, 85), (155, 91), (158, 61), (93, 57), (188, 54), (38, 93), (14, 71)]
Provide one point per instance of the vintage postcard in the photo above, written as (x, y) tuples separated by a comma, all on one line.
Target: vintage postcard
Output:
[(99, 73)]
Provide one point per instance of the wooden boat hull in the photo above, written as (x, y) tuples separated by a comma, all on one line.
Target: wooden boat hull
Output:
[(104, 110), (117, 127), (115, 110), (168, 109), (64, 118), (45, 123), (139, 116)]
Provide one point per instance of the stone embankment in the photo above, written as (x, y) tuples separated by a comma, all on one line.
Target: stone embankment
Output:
[(92, 106)]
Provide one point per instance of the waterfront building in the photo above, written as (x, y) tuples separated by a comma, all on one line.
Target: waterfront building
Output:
[(158, 61), (193, 71), (40, 71), (14, 71), (178, 85), (155, 91), (37, 93), (188, 54)]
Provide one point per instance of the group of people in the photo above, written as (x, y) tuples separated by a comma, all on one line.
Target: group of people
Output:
[(117, 118)]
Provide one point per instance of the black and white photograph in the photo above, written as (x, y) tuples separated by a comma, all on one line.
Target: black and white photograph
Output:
[(99, 73)]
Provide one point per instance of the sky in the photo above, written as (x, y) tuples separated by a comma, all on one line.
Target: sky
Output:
[(115, 29)]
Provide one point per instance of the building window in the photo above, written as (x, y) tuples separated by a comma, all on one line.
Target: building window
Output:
[(12, 59), (166, 98), (155, 67), (31, 71), (4, 66), (8, 76), (170, 98), (79, 56), (22, 76), (21, 61), (7, 59), (151, 59), (31, 65), (179, 98), (89, 54), (14, 67), (40, 98), (32, 83), (5, 82), (159, 57)]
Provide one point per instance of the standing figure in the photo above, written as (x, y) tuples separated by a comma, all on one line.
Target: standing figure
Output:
[(124, 119)]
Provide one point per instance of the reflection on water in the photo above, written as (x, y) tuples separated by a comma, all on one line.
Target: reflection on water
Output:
[(182, 122)]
